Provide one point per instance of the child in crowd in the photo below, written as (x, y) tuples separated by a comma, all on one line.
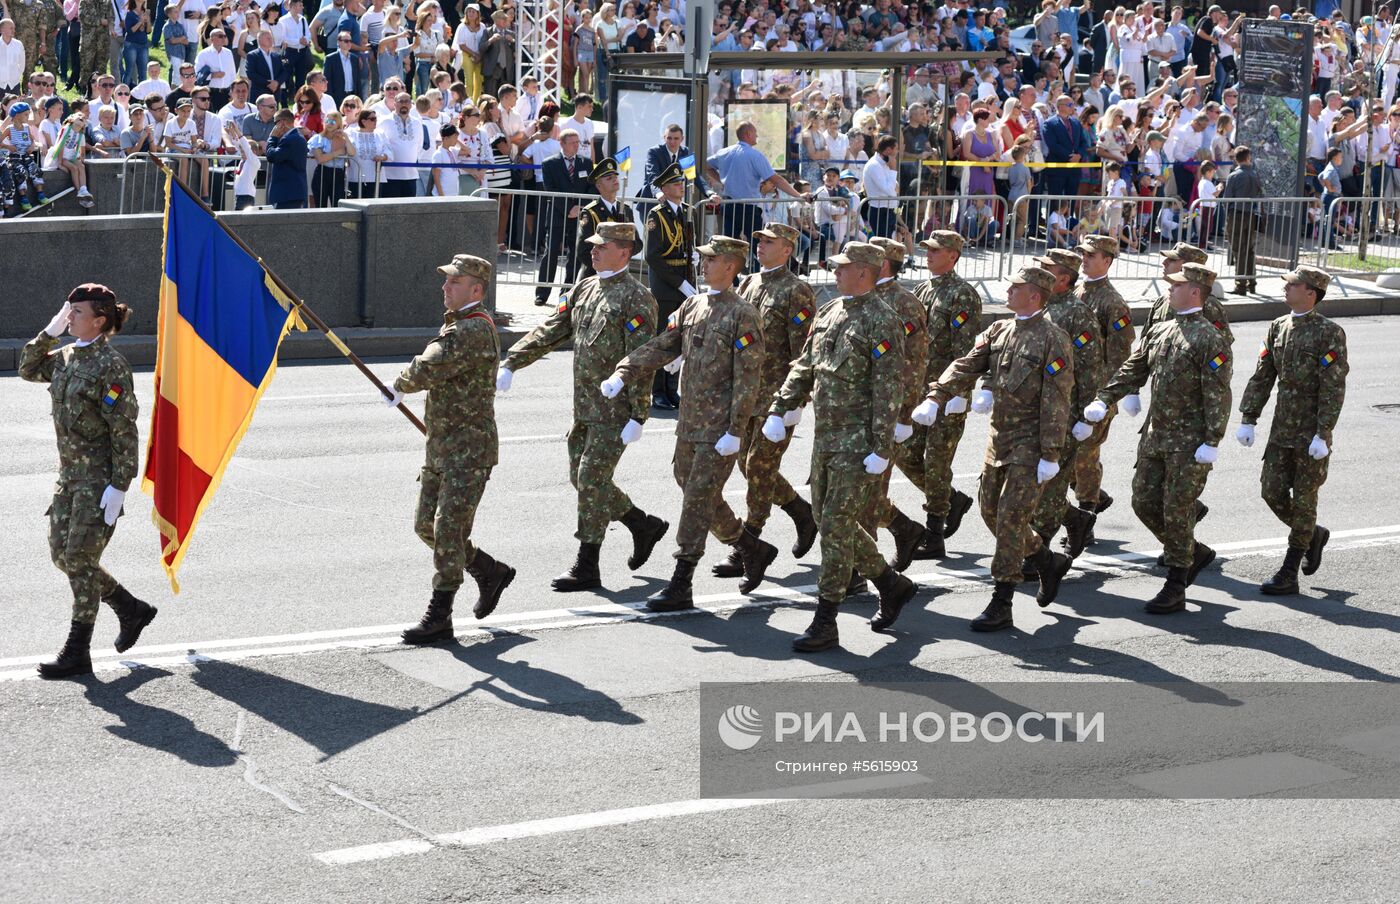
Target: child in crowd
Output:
[(1059, 232), (1206, 192), (1091, 220), (246, 175), (21, 144), (1018, 181), (70, 151)]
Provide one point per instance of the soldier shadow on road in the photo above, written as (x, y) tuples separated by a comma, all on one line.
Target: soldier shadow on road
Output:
[(152, 726)]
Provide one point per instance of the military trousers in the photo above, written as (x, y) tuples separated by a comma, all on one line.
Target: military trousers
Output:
[(759, 461), (447, 501), (77, 537), (940, 446), (1054, 493), (841, 491), (880, 511), (1007, 496), (701, 473), (93, 52), (594, 451), (1166, 486), (1289, 484), (1087, 473)]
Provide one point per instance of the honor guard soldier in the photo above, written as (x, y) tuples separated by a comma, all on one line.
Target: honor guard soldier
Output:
[(852, 368), (721, 341), (1188, 361), (94, 414), (1172, 260), (954, 312), (607, 316), (458, 371), (670, 256), (1029, 365), (606, 209), (1307, 354), (786, 308)]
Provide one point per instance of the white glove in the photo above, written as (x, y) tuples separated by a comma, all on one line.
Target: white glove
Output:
[(1245, 435), (111, 504), (391, 401), (1318, 448), (59, 323), (926, 413), (611, 386), (1095, 411), (687, 289), (956, 405), (1131, 405), (675, 366), (727, 445), (773, 429), (792, 418), (874, 464), (1206, 454), (1081, 431), (503, 378), (631, 432), (1046, 470), (902, 432), (982, 401), (695, 258)]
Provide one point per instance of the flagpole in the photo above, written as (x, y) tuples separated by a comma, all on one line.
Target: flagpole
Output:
[(306, 312)]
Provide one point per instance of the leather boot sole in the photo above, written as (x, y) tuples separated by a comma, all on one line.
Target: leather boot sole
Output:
[(984, 625), (1157, 608), (51, 671), (669, 605), (419, 640), (804, 644), (571, 584), (1272, 589)]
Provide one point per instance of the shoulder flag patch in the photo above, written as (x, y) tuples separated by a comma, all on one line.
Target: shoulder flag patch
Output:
[(563, 305), (743, 341), (1217, 361), (1120, 323), (1054, 367), (673, 321), (1264, 349), (634, 323), (114, 392), (1327, 359), (958, 320), (880, 348), (1083, 339), (909, 327), (1219, 325), (801, 316)]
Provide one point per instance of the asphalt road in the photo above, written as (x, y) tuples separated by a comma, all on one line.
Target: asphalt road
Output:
[(277, 745)]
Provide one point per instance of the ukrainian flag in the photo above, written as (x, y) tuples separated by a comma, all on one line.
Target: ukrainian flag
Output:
[(624, 159), (688, 166), (221, 320)]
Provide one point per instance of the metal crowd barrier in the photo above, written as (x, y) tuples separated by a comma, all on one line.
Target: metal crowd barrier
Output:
[(142, 182), (1249, 238), (1138, 221), (1339, 247)]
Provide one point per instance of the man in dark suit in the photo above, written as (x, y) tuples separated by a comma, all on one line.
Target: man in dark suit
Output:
[(1098, 41), (566, 174), (670, 259), (671, 150), (286, 154), (343, 69), (606, 209), (1065, 142), (265, 68)]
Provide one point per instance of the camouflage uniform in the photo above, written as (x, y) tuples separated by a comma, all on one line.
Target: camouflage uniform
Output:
[(94, 16), (36, 22), (608, 318), (1307, 355), (94, 413), (1188, 361), (1115, 330)]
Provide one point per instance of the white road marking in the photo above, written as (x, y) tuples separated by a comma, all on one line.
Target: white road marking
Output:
[(230, 650)]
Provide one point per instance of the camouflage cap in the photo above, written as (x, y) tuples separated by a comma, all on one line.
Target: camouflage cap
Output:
[(1309, 276), (605, 167), (613, 232), (672, 173), (894, 251), (944, 238), (1104, 244), (468, 265), (1198, 274), (857, 253), (1035, 276), (780, 231), (1061, 257), (1185, 251), (724, 245)]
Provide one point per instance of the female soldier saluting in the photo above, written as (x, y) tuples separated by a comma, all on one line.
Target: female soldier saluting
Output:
[(94, 413)]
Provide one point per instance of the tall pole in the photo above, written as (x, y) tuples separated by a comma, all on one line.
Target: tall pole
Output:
[(1369, 65)]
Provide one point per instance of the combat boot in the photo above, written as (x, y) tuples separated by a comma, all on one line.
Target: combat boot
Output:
[(997, 615), (133, 616), (492, 578), (647, 531), (756, 556), (676, 595), (583, 574), (733, 566), (1201, 556), (907, 537), (1079, 527), (821, 633), (1285, 580), (958, 506), (1312, 560), (1201, 511), (1104, 502), (436, 623), (1030, 565), (800, 511), (895, 590), (857, 585), (1172, 596), (75, 658), (1052, 568), (933, 546)]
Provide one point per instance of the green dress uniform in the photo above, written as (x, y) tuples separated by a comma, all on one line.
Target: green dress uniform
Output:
[(1116, 335)]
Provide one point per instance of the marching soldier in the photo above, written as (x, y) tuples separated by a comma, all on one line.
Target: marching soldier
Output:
[(786, 307), (606, 209), (1188, 361), (719, 336), (1307, 354), (1172, 260), (94, 412), (457, 370), (607, 316), (852, 368), (954, 319), (908, 534), (1029, 363), (670, 255)]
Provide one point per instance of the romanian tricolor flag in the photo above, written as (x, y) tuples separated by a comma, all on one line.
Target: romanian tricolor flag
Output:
[(634, 323), (743, 341), (1083, 339), (1120, 323), (958, 320), (880, 348), (1327, 359), (688, 165), (1218, 360), (624, 159), (801, 316), (220, 323), (1055, 366), (909, 327)]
